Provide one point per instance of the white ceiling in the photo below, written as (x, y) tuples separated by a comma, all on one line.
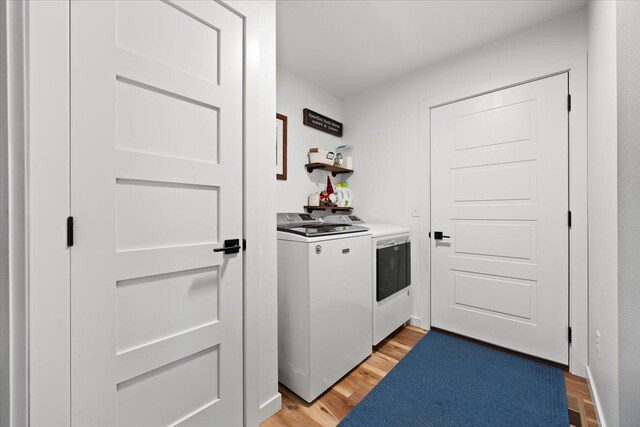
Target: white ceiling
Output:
[(347, 46)]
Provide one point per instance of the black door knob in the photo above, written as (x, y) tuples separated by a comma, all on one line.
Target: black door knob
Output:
[(230, 247), (437, 235)]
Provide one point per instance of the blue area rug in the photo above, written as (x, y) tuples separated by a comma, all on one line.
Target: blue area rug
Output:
[(446, 381)]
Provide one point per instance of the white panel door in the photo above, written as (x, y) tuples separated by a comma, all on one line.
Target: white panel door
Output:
[(156, 166), (499, 192)]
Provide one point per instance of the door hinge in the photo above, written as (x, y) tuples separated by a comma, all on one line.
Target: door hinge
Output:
[(69, 231), (569, 218), (244, 244), (569, 334), (569, 102)]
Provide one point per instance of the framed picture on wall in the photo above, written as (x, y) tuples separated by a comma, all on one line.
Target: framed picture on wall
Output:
[(281, 147)]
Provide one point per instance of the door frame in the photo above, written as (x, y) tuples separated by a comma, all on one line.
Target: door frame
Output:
[(576, 67), (47, 110), (13, 225)]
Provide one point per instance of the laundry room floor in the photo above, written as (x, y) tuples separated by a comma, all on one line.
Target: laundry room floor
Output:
[(338, 401)]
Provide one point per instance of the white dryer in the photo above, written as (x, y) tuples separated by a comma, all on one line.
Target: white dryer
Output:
[(324, 302), (391, 274)]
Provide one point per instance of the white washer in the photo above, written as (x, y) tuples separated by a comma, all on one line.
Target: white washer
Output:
[(394, 307), (324, 302)]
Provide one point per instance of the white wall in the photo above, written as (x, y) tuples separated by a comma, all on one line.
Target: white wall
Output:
[(384, 125), (628, 63), (293, 95), (603, 232)]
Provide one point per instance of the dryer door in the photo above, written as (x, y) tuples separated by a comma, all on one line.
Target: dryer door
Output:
[(387, 260)]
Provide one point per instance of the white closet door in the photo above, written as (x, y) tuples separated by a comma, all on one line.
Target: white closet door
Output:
[(156, 166), (499, 189)]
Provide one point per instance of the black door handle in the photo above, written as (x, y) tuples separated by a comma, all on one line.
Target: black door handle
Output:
[(437, 235), (230, 247)]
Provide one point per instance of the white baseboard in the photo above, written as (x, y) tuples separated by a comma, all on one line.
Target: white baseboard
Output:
[(596, 398), (269, 408), (415, 321), (419, 322)]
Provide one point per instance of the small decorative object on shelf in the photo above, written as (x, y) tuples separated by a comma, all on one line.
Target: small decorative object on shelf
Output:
[(338, 161), (314, 199), (320, 155), (324, 198), (346, 152), (329, 188)]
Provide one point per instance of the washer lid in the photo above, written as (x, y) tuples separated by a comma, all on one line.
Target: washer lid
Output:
[(315, 230), (293, 237)]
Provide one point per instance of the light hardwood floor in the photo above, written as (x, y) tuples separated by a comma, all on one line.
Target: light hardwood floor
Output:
[(338, 401)]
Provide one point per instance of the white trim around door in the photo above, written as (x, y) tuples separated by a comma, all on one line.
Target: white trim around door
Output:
[(13, 230), (576, 67)]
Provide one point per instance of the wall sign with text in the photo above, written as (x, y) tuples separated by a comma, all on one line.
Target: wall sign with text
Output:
[(320, 122)]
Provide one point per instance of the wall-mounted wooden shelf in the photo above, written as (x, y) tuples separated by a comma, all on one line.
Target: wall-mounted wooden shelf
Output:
[(335, 170), (333, 209)]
